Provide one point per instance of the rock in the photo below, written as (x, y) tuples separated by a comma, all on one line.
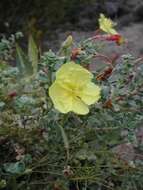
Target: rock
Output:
[(138, 12), (139, 135), (125, 152), (112, 7)]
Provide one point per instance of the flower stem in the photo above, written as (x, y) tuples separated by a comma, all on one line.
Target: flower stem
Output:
[(65, 140), (64, 136)]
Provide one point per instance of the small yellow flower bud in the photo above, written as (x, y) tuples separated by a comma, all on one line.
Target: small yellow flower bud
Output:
[(68, 42)]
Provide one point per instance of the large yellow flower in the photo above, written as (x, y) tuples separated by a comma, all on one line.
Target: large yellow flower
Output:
[(107, 25), (73, 89)]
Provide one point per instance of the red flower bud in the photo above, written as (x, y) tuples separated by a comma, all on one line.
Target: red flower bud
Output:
[(12, 94), (116, 38), (75, 53)]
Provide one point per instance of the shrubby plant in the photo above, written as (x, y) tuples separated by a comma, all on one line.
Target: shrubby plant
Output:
[(66, 126), (7, 46)]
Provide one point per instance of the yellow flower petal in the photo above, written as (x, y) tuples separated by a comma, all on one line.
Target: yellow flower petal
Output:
[(79, 107), (65, 102), (107, 25), (60, 97), (74, 74), (90, 94)]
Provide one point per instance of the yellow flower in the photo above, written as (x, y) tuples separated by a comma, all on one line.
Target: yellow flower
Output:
[(73, 89), (107, 25)]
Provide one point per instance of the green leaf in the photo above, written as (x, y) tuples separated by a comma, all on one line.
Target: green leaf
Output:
[(24, 102), (64, 136), (3, 65), (2, 183), (33, 53), (23, 63), (2, 104), (27, 158), (15, 168)]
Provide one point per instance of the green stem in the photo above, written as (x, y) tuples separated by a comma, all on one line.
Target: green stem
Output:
[(50, 76), (64, 136), (65, 140)]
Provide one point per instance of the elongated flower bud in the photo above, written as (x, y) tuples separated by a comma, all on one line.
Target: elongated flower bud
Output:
[(68, 42)]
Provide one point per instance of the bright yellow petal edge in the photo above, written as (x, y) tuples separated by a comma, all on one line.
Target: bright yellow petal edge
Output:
[(107, 25), (73, 89)]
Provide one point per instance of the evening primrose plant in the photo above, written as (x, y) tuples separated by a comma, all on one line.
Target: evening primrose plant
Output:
[(71, 119)]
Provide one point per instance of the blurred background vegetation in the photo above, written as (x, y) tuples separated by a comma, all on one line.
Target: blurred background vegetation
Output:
[(58, 18), (15, 14), (80, 14)]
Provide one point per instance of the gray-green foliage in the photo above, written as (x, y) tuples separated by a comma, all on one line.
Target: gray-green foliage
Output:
[(7, 45)]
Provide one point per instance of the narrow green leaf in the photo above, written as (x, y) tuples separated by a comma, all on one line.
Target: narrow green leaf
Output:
[(33, 53), (64, 136), (65, 140), (22, 61)]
